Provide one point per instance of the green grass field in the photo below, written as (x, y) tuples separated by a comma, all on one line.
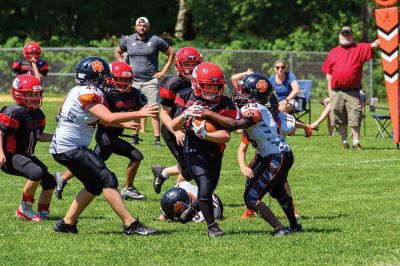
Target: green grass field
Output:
[(347, 200)]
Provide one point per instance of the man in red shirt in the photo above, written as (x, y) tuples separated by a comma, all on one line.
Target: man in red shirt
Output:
[(343, 68)]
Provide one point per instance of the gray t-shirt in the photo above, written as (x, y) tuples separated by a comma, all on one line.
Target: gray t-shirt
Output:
[(143, 54)]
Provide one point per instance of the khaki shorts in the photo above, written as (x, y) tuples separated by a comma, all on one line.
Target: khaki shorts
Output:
[(345, 108), (149, 88)]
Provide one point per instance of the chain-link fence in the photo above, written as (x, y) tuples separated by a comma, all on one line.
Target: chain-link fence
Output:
[(305, 65)]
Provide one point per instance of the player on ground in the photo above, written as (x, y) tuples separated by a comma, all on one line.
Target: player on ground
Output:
[(31, 63), (186, 59), (271, 167), (21, 126), (120, 96), (179, 198), (203, 151), (82, 109)]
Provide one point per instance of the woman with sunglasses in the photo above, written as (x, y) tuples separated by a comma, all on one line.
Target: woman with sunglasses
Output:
[(285, 85)]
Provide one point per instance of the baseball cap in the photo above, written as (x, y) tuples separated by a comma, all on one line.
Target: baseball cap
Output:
[(346, 30), (143, 20)]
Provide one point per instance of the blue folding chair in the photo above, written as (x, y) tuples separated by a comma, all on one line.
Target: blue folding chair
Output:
[(382, 121), (303, 106)]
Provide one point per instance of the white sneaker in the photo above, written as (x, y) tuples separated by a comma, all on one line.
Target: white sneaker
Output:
[(26, 212), (132, 194)]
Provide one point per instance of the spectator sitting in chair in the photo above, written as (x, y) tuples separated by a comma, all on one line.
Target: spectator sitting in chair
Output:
[(285, 85)]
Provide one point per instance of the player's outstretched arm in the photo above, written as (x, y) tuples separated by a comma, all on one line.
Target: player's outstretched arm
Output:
[(45, 137), (108, 118), (226, 122)]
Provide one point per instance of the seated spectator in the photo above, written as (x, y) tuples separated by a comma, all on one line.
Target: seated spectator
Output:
[(285, 85)]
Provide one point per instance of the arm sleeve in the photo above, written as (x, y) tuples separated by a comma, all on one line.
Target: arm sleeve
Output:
[(180, 106), (90, 96), (16, 67), (9, 122), (162, 45), (292, 77), (327, 66), (43, 67), (123, 43)]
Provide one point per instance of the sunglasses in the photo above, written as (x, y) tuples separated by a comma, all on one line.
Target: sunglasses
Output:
[(280, 67)]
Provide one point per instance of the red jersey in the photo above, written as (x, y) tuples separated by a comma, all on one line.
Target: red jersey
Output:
[(345, 64), (22, 129)]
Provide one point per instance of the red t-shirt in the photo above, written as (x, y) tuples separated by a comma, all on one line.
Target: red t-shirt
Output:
[(345, 64)]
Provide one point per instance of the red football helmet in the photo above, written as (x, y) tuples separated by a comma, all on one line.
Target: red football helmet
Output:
[(122, 76), (27, 91), (32, 49), (208, 81), (186, 59)]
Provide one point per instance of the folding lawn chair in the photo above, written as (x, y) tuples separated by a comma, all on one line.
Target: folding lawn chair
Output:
[(303, 106), (382, 121)]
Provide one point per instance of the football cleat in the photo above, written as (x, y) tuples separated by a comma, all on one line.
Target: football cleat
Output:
[(214, 230), (281, 231), (296, 229), (132, 194), (138, 228), (248, 213), (158, 177), (26, 212), (62, 227), (60, 184), (44, 214)]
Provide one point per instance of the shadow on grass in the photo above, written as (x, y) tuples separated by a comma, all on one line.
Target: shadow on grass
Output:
[(160, 232), (307, 230), (327, 217)]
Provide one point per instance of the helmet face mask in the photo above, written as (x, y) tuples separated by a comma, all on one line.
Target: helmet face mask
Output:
[(32, 50), (186, 59), (94, 71), (174, 202), (27, 91), (122, 76), (208, 82)]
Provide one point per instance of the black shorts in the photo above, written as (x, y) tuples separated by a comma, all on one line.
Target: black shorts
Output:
[(87, 166), (108, 144), (176, 150), (29, 167)]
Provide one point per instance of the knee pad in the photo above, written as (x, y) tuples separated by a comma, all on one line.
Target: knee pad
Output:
[(36, 173), (48, 182), (205, 192), (136, 155), (108, 179)]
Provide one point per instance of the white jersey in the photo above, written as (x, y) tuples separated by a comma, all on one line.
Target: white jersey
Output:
[(192, 191), (286, 124), (76, 125), (264, 135)]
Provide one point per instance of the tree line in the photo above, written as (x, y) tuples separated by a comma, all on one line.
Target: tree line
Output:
[(298, 25)]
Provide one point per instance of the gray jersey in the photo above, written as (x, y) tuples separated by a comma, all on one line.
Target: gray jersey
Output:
[(143, 54), (76, 125), (264, 136)]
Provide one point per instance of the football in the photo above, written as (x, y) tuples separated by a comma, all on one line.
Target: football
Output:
[(211, 126)]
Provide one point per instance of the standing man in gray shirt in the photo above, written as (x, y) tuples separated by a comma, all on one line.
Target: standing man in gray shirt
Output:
[(143, 48)]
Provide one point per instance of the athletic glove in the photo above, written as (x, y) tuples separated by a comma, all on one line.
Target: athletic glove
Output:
[(200, 131)]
